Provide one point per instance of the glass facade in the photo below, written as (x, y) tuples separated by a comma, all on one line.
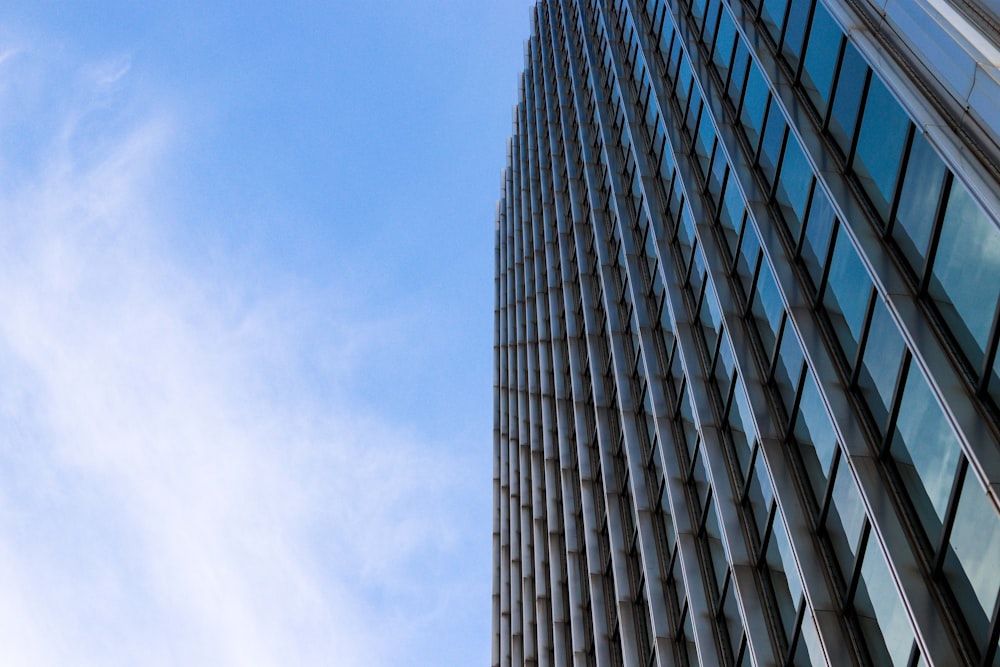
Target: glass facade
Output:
[(747, 404)]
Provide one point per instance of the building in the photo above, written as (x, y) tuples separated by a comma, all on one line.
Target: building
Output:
[(747, 382)]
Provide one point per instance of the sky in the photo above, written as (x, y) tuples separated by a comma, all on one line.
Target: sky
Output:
[(246, 321)]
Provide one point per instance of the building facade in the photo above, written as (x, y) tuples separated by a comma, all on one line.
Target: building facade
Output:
[(747, 390)]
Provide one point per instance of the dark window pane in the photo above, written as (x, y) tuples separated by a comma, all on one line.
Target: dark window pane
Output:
[(846, 295), (880, 612), (971, 565), (819, 227), (792, 192), (815, 436), (880, 145), (880, 364), (925, 451), (847, 98), (965, 282), (844, 521), (918, 201), (821, 58)]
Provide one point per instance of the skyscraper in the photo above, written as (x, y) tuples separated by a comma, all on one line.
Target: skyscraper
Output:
[(747, 389)]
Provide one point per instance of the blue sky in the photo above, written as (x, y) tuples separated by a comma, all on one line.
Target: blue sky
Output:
[(246, 294)]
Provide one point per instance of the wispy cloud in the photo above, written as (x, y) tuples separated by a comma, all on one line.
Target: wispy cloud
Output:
[(172, 489)]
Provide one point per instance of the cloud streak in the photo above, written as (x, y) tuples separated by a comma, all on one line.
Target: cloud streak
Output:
[(172, 488)]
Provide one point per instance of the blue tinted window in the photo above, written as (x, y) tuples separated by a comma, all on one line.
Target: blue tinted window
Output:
[(880, 612), (772, 14), (731, 214), (815, 435), (926, 452), (788, 368), (816, 242), (792, 191), (795, 29), (770, 146), (847, 97), (760, 495), (965, 282), (746, 263), (844, 520), (918, 201), (821, 58), (880, 145), (767, 310), (781, 571), (724, 43), (846, 295), (880, 363), (737, 78), (754, 103), (741, 424), (971, 564)]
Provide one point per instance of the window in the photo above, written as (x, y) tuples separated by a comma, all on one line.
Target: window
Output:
[(966, 272), (822, 50), (846, 295), (918, 202), (925, 452), (880, 146)]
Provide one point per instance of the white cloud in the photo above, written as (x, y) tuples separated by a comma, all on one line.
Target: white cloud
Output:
[(171, 490)]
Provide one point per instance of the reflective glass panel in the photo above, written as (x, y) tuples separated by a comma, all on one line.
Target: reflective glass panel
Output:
[(737, 78), (795, 29), (754, 103), (880, 145), (816, 241), (770, 146), (821, 58), (772, 15), (844, 520), (731, 214), (792, 191), (815, 435), (767, 310), (925, 451), (846, 294), (760, 495), (724, 42), (847, 98), (880, 612), (741, 425), (746, 263), (972, 563), (918, 201), (965, 282), (784, 580), (880, 363), (788, 369)]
